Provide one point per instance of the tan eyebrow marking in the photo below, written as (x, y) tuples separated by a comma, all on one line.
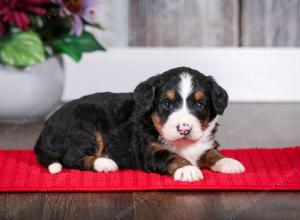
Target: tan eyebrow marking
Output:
[(171, 95), (198, 95)]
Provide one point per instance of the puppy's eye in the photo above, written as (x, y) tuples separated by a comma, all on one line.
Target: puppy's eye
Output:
[(168, 104), (199, 105)]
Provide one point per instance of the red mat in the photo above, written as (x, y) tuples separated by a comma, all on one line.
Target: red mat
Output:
[(266, 169)]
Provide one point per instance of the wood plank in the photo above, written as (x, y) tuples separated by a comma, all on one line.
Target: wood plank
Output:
[(88, 206), (151, 205), (19, 206), (260, 125), (217, 205), (183, 23), (19, 135), (270, 23), (66, 206), (113, 16)]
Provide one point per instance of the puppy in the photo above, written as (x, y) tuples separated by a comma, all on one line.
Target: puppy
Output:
[(167, 126)]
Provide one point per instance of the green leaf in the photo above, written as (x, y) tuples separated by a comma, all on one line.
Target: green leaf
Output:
[(22, 49), (74, 46), (14, 30), (63, 46)]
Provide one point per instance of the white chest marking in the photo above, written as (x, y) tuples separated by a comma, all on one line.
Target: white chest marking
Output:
[(194, 151)]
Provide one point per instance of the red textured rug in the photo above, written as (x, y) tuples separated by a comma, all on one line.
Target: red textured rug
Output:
[(266, 169)]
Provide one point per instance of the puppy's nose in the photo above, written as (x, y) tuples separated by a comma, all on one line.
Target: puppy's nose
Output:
[(184, 128)]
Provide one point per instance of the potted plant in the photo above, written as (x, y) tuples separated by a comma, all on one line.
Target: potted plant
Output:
[(33, 35)]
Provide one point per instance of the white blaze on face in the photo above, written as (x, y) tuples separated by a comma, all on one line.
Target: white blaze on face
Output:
[(185, 89), (182, 115)]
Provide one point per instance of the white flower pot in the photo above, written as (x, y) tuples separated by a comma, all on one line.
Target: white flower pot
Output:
[(29, 94)]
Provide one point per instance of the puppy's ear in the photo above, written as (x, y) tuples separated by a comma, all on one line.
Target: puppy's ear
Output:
[(144, 93), (218, 94)]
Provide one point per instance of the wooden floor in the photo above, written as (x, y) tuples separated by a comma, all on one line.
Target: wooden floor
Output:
[(243, 125), (151, 205)]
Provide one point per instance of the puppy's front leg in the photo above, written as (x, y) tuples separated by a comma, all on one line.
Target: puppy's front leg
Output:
[(164, 161), (215, 161)]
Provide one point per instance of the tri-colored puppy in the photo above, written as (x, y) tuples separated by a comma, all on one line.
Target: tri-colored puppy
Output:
[(167, 125)]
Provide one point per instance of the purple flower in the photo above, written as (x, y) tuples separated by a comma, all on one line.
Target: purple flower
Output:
[(80, 10)]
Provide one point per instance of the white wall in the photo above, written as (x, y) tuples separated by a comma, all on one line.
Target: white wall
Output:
[(249, 75)]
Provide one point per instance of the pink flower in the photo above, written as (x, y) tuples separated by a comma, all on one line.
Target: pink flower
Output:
[(16, 12), (80, 10)]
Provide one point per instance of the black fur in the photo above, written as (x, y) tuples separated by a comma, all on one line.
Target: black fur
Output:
[(124, 120), (219, 96)]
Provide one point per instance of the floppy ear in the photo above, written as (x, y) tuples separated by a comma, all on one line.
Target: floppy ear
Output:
[(219, 96), (144, 93)]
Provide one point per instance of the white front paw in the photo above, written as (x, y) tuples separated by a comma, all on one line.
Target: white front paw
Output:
[(105, 165), (188, 174), (55, 168), (228, 165)]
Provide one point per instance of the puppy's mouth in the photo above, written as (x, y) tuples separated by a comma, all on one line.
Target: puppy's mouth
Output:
[(182, 142)]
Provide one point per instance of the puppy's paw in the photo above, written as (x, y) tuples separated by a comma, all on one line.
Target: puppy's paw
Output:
[(228, 165), (55, 168), (105, 165), (188, 174)]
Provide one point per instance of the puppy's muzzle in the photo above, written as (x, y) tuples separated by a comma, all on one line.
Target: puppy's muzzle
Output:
[(184, 129)]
